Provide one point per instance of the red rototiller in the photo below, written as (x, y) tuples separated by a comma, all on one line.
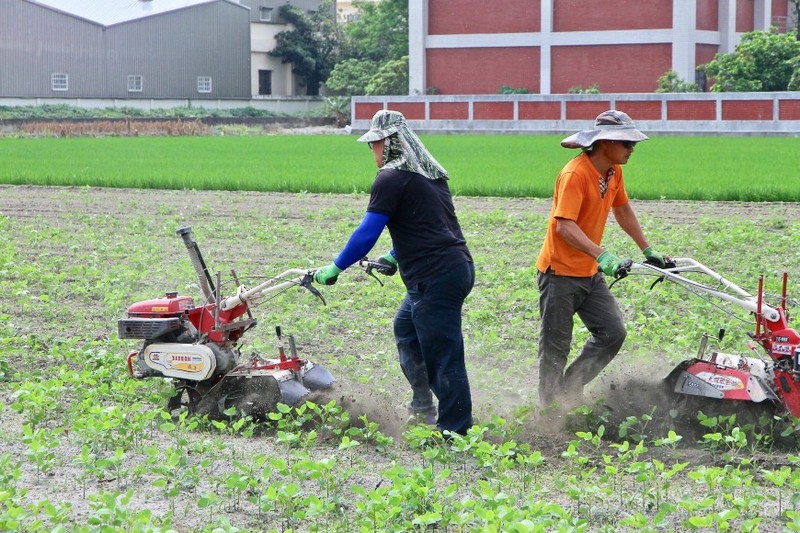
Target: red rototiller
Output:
[(198, 346)]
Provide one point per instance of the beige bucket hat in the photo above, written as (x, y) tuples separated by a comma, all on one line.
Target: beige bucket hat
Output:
[(609, 125)]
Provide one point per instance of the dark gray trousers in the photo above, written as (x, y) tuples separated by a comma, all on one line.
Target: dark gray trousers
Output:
[(560, 298)]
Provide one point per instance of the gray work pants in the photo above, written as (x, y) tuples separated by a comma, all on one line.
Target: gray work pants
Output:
[(560, 298)]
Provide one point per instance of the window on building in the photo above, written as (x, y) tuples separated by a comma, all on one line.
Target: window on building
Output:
[(265, 14), (59, 81), (264, 82), (700, 80), (134, 83), (204, 84)]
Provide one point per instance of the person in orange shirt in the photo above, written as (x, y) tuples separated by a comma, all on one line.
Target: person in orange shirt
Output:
[(572, 262)]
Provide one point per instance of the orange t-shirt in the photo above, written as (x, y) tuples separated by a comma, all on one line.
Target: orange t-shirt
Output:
[(577, 197)]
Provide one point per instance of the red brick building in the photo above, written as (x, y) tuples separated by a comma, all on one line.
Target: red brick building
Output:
[(551, 46)]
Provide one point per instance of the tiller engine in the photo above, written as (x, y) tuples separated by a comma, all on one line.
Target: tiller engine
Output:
[(725, 376), (198, 347)]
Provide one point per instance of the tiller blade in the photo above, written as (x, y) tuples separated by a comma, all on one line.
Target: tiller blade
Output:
[(298, 384), (254, 395), (292, 391), (316, 377), (257, 388)]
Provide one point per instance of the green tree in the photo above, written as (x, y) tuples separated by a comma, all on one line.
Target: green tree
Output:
[(763, 61), (375, 46), (794, 83), (381, 31), (670, 82), (351, 76), (391, 78), (312, 46)]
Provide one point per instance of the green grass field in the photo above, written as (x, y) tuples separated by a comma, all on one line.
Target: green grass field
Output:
[(682, 168)]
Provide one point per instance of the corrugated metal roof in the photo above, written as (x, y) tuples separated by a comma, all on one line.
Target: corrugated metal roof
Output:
[(110, 12)]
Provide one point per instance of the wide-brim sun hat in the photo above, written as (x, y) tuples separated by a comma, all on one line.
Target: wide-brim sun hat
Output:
[(386, 122), (611, 125)]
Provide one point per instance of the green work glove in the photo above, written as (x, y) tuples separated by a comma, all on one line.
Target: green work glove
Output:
[(327, 275), (609, 263), (389, 264), (656, 257)]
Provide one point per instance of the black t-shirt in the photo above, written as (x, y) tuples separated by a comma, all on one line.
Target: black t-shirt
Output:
[(426, 236)]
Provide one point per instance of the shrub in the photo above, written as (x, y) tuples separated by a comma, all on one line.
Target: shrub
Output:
[(507, 89), (670, 82), (592, 89)]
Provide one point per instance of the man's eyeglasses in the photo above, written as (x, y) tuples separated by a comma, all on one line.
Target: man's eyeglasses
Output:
[(628, 144), (370, 145)]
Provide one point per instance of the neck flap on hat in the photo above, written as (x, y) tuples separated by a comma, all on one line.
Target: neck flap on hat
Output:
[(404, 151)]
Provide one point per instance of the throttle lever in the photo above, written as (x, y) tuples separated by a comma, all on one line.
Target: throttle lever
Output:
[(621, 272), (624, 269), (368, 266), (668, 264), (307, 282)]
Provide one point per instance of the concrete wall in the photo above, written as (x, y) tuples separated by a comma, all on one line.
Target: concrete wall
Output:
[(299, 104), (677, 113)]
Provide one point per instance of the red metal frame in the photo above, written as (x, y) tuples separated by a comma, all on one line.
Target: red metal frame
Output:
[(780, 341)]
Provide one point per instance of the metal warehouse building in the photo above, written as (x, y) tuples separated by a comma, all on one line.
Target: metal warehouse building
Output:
[(124, 49)]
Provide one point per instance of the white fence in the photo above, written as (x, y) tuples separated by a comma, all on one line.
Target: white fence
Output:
[(774, 113)]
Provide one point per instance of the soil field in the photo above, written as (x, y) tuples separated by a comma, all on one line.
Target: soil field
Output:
[(226, 223), (333, 216), (52, 204)]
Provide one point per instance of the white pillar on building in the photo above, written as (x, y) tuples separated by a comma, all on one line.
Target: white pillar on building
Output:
[(727, 26), (762, 14), (417, 33), (684, 38), (545, 50)]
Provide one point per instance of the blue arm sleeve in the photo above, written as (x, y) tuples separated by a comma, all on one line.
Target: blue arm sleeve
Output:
[(362, 240)]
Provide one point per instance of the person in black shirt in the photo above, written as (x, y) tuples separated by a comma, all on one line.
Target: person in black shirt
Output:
[(411, 197)]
